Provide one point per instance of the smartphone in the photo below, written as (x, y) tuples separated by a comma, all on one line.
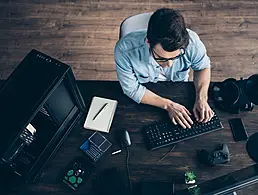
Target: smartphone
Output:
[(238, 129)]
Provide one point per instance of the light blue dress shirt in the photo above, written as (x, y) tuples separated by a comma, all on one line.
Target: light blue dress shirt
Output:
[(135, 63)]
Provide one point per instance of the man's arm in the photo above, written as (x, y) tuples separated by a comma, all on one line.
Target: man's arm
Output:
[(202, 110), (154, 100), (201, 83), (178, 113), (201, 66), (126, 76)]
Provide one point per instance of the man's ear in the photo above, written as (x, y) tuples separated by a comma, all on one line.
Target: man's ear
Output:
[(147, 41)]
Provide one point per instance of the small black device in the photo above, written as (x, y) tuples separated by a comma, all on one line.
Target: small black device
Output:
[(238, 129), (95, 146), (125, 139), (110, 181), (77, 172), (219, 156), (162, 134), (153, 188)]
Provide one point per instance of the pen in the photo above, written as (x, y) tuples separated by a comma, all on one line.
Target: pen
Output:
[(116, 152), (100, 111)]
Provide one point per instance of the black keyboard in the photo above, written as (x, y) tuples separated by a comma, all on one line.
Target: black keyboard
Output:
[(162, 134)]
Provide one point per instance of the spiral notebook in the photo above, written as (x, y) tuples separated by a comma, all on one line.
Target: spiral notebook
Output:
[(101, 114)]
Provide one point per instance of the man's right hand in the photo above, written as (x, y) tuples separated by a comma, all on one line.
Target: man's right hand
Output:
[(179, 114)]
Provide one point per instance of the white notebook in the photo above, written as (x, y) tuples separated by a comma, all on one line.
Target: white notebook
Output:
[(101, 114)]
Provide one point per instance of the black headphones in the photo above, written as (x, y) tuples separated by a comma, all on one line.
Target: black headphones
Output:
[(236, 95)]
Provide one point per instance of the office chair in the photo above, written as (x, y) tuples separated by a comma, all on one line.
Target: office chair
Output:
[(134, 23)]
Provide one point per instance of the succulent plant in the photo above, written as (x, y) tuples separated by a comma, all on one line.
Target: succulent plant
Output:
[(195, 190), (190, 175)]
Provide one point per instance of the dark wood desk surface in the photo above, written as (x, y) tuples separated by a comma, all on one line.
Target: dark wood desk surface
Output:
[(143, 163)]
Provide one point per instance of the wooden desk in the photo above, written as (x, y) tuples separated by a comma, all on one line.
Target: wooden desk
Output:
[(143, 163)]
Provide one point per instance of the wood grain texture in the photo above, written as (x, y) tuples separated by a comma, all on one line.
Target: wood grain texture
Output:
[(145, 165), (84, 33)]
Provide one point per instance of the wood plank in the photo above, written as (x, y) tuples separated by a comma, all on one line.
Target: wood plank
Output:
[(72, 31)]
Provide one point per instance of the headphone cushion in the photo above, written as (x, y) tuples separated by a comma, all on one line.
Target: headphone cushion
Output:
[(230, 92)]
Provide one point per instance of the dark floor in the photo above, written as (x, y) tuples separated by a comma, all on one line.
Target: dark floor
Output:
[(83, 33)]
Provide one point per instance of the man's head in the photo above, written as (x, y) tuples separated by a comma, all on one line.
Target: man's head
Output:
[(167, 35)]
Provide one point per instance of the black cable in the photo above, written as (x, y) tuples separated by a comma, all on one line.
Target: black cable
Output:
[(127, 169), (162, 158), (127, 164)]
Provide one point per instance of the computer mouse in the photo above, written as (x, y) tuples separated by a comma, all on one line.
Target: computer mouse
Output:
[(125, 139)]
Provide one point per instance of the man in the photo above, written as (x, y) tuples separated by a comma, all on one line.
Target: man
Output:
[(164, 53)]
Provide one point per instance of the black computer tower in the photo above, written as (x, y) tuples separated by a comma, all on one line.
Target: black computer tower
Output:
[(39, 105)]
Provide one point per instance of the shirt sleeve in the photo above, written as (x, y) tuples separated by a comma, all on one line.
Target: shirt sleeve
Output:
[(126, 76), (200, 60)]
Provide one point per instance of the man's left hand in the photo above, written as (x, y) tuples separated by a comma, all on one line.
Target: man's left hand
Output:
[(202, 111)]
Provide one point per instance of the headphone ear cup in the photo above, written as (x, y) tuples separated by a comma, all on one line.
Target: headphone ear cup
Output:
[(226, 94), (229, 80), (230, 92)]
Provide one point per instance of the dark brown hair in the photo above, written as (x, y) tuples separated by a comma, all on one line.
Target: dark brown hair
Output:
[(167, 27)]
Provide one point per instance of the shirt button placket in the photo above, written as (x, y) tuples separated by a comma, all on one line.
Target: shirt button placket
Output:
[(157, 73)]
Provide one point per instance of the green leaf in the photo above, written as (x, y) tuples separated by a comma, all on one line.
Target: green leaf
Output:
[(70, 173)]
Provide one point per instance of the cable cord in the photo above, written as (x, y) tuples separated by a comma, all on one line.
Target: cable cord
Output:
[(162, 158), (127, 169)]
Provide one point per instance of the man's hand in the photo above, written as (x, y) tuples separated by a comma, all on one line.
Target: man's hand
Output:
[(202, 111), (179, 114)]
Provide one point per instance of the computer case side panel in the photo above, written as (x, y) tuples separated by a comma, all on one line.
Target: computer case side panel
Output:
[(24, 91), (73, 117), (76, 91), (62, 106)]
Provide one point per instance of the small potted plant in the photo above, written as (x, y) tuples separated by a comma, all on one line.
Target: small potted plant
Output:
[(190, 177), (194, 190)]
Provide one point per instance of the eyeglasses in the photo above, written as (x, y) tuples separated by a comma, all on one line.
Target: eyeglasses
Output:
[(182, 52)]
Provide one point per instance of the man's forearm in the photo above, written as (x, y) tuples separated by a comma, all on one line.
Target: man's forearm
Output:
[(201, 83), (177, 113), (155, 100)]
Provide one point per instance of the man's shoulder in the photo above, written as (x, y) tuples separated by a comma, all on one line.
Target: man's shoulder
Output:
[(131, 41), (196, 52), (193, 37)]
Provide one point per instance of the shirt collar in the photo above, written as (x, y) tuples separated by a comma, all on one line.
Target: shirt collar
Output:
[(152, 60), (148, 58)]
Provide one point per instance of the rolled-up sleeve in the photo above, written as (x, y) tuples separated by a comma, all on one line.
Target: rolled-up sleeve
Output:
[(126, 76), (200, 60)]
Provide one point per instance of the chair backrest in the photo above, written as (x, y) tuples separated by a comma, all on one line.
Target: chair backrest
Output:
[(135, 23)]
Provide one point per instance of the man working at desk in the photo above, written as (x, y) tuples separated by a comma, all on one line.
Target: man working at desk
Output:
[(164, 53)]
